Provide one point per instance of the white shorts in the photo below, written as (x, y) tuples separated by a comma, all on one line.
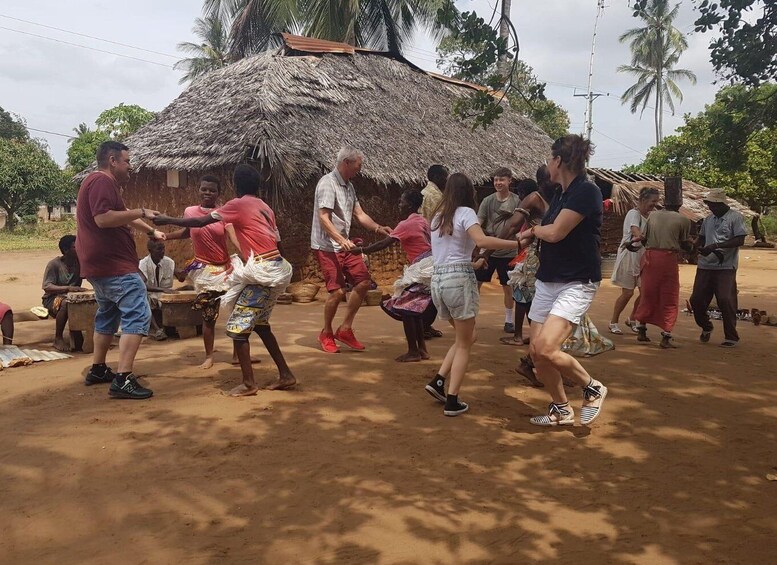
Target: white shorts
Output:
[(565, 300)]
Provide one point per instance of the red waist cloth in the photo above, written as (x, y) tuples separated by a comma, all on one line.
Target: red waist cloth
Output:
[(659, 289)]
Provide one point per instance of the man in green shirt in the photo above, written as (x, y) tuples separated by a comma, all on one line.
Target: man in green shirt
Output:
[(494, 213)]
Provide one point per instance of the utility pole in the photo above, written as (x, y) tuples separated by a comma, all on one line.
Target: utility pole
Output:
[(503, 66), (590, 96)]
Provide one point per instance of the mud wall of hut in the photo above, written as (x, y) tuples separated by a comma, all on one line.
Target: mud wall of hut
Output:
[(294, 213)]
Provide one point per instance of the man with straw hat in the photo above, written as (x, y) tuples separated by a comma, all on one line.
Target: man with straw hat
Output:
[(722, 234), (666, 234)]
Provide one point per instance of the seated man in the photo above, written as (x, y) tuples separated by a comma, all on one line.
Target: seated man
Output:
[(62, 275), (158, 272), (6, 323)]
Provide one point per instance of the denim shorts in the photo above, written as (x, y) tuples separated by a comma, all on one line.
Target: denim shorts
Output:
[(455, 291), (121, 300)]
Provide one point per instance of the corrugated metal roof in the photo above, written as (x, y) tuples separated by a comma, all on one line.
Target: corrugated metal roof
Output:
[(310, 45)]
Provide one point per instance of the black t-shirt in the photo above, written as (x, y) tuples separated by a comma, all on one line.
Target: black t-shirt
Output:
[(575, 258)]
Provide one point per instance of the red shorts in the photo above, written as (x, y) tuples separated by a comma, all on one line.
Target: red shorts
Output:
[(340, 267), (4, 309)]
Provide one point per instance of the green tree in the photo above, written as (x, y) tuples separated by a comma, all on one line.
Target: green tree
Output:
[(123, 120), (210, 53), (28, 177), (378, 24), (12, 127), (743, 47), (526, 94), (116, 123), (655, 50), (731, 144)]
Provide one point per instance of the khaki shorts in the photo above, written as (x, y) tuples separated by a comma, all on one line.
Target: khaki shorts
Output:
[(455, 291)]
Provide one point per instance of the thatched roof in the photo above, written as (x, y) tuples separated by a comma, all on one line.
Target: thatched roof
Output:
[(625, 189), (293, 110)]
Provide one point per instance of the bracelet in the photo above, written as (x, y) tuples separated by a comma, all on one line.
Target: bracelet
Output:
[(142, 212), (150, 233)]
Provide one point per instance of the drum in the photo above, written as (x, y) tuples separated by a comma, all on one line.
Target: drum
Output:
[(81, 309), (178, 312)]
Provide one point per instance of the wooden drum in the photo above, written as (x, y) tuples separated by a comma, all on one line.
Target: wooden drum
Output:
[(177, 312), (81, 309)]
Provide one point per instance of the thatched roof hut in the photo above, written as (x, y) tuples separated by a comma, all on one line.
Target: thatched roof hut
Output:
[(289, 111), (623, 189), (292, 109)]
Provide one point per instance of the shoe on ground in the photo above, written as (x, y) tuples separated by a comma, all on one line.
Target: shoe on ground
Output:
[(729, 343), (95, 379), (593, 399), (160, 335), (632, 324), (616, 329), (705, 336), (436, 388), (347, 337), (327, 342), (558, 415), (130, 389), (455, 409), (509, 328)]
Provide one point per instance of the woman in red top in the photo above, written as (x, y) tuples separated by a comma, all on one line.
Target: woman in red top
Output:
[(412, 300)]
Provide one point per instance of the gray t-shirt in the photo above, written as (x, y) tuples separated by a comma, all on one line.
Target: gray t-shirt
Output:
[(718, 230), (334, 193), (488, 215)]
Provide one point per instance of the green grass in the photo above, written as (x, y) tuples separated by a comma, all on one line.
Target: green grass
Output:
[(769, 222), (38, 236)]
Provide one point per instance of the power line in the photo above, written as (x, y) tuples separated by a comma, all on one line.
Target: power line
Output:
[(89, 36), (86, 47), (618, 142), (52, 133)]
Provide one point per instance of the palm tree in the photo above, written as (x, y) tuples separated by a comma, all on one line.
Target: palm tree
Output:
[(82, 129), (209, 55), (655, 50), (379, 24)]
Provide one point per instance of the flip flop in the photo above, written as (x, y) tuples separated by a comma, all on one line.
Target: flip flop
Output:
[(512, 341)]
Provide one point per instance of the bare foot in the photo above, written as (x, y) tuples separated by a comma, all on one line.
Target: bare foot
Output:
[(424, 355), (243, 390), (409, 358), (527, 371), (283, 383), (60, 345), (254, 361), (207, 364)]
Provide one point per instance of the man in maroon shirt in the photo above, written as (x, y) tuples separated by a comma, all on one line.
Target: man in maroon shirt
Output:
[(106, 251)]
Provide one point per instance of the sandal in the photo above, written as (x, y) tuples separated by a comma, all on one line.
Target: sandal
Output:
[(615, 329), (593, 399), (558, 415), (526, 369)]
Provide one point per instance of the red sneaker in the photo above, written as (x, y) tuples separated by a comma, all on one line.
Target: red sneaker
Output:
[(347, 337), (327, 342)]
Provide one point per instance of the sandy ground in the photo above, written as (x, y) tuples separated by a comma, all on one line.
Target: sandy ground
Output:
[(360, 466)]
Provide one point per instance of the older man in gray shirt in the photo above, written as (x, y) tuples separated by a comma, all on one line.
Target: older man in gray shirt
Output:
[(722, 234), (334, 206)]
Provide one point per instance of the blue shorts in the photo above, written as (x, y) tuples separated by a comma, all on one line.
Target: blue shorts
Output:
[(121, 300)]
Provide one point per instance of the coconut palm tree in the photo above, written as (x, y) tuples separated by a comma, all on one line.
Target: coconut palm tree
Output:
[(212, 53), (379, 24), (655, 50)]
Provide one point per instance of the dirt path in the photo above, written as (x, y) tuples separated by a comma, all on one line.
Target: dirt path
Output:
[(360, 466)]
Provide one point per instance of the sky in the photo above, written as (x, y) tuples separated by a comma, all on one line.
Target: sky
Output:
[(55, 85)]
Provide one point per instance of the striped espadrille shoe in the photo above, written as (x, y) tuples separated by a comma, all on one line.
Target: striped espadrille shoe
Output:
[(593, 398), (558, 415)]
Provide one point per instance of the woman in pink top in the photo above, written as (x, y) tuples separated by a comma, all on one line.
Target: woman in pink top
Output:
[(209, 267), (412, 300)]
